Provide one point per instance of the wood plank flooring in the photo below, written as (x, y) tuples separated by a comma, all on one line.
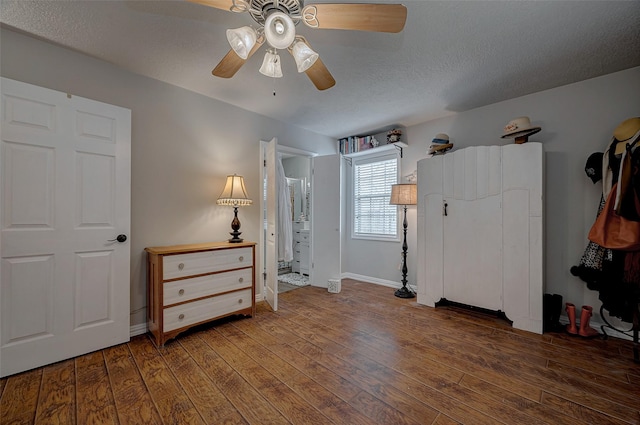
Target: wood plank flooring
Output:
[(358, 357)]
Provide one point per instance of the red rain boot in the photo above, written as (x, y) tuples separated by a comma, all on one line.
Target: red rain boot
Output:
[(585, 330), (571, 314)]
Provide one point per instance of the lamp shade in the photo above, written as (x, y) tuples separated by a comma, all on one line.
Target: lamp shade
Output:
[(304, 56), (279, 30), (404, 194), (234, 193), (242, 40), (271, 65)]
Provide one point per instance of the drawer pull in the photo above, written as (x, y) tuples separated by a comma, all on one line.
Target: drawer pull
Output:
[(240, 301), (181, 317), (241, 280), (181, 292), (180, 266), (241, 258)]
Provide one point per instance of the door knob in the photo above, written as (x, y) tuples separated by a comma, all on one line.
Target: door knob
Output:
[(120, 238)]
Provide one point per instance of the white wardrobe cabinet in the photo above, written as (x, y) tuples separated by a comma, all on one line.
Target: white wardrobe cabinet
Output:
[(480, 230)]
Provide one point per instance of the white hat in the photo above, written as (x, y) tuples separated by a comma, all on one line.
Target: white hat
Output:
[(519, 127), (440, 143)]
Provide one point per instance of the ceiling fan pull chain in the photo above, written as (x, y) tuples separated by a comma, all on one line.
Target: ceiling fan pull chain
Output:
[(310, 16)]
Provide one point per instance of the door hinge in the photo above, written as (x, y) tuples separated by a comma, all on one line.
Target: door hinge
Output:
[(264, 162)]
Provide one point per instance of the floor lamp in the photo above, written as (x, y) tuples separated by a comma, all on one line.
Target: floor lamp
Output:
[(404, 194)]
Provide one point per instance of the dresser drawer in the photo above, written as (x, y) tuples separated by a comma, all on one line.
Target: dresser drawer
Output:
[(302, 236), (195, 263), (178, 291), (202, 310)]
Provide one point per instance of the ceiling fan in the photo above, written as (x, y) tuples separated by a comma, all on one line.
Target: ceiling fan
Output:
[(277, 20)]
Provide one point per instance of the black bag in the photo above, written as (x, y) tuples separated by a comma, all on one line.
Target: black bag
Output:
[(629, 206)]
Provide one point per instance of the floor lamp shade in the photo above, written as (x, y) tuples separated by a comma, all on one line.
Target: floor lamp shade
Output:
[(234, 194), (404, 194)]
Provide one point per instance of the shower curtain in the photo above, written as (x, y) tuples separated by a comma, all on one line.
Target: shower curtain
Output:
[(285, 224)]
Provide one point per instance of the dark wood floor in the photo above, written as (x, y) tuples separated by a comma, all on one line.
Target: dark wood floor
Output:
[(359, 357)]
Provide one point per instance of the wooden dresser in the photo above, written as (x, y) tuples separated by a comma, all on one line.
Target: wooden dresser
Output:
[(193, 284)]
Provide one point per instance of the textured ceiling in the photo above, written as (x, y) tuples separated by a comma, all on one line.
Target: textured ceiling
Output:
[(452, 55)]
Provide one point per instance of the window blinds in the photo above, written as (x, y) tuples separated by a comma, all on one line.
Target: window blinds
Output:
[(373, 216)]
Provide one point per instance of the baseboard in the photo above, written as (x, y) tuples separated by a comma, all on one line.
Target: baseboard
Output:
[(375, 280), (139, 329)]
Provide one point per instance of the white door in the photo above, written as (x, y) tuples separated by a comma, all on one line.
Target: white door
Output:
[(473, 265), (64, 199), (476, 259), (325, 220), (271, 243)]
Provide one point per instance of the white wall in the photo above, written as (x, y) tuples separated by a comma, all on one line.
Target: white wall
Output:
[(183, 146), (576, 120)]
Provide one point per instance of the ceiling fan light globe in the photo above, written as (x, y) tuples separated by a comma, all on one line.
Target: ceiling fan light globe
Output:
[(279, 30), (242, 40), (271, 65), (304, 55)]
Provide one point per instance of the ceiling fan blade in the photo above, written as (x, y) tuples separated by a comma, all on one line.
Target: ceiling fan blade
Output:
[(218, 4), (320, 76), (231, 62), (229, 65), (361, 17)]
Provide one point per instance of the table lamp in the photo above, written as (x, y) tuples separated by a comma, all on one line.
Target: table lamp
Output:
[(234, 194)]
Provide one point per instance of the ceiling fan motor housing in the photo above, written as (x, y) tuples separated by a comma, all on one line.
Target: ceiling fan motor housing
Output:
[(261, 9)]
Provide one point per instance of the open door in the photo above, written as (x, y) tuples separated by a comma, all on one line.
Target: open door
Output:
[(271, 236), (325, 223)]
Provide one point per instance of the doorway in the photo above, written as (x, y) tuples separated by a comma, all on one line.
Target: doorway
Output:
[(294, 272), (321, 224)]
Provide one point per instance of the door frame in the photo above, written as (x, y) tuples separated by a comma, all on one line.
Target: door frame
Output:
[(262, 240)]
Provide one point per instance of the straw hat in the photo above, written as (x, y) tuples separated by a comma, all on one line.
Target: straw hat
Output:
[(440, 144), (519, 127), (625, 131)]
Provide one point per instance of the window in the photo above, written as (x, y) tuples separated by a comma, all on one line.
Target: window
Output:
[(373, 217)]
